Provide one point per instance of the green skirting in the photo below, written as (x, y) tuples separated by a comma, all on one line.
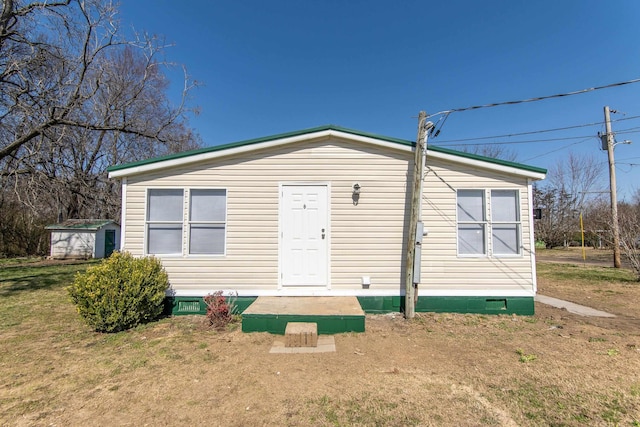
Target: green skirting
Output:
[(481, 305), (277, 323), (385, 304), (177, 306)]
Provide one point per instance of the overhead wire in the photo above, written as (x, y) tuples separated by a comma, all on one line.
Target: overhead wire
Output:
[(538, 98), (519, 133), (538, 131), (526, 141), (446, 113), (557, 149)]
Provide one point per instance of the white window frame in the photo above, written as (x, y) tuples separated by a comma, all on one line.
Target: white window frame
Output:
[(151, 222), (488, 224), (483, 223), (517, 223), (222, 222)]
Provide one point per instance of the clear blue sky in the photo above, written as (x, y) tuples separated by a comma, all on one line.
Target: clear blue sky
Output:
[(276, 66)]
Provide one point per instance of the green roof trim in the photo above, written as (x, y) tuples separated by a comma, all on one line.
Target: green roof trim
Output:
[(248, 142), (80, 224), (486, 159)]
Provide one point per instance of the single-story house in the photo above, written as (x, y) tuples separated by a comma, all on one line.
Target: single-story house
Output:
[(325, 212), (84, 238)]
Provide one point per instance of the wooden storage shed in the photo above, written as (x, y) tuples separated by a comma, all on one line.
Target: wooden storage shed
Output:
[(84, 238)]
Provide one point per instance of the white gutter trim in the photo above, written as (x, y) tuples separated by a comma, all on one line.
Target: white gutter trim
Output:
[(252, 147), (532, 239), (488, 293), (123, 212), (134, 170), (486, 165)]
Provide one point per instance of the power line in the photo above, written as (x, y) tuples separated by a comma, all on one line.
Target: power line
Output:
[(527, 141), (537, 131), (521, 133), (557, 149), (625, 118), (538, 98)]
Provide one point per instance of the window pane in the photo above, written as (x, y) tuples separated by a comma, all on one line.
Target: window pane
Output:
[(207, 239), (504, 205), (164, 239), (208, 205), (471, 239), (506, 239), (165, 205), (471, 205)]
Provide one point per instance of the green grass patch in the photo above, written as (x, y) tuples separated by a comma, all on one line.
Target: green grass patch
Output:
[(363, 410), (585, 274), (29, 276)]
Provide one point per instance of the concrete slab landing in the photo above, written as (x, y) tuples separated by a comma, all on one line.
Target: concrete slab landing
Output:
[(331, 314), (306, 306)]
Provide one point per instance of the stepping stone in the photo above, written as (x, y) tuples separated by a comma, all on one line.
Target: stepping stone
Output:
[(301, 334)]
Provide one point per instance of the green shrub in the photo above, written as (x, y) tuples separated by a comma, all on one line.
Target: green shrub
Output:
[(121, 292)]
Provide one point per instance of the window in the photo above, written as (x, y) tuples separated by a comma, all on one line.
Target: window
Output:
[(471, 223), (500, 214), (207, 221), (164, 221), (207, 217), (505, 226)]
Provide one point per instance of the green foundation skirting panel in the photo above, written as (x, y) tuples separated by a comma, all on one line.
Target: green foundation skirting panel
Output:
[(276, 323), (481, 305), (379, 304), (177, 306)]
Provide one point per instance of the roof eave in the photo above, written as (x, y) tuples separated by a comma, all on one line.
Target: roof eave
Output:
[(537, 174), (200, 155), (243, 148)]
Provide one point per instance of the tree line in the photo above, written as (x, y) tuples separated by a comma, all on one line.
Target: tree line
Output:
[(77, 96), (579, 187)]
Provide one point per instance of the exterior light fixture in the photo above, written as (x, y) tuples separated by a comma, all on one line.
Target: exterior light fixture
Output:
[(355, 196)]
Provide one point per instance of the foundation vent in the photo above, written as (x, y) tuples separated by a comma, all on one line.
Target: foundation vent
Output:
[(189, 306)]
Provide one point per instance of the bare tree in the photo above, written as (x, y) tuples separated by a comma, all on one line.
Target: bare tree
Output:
[(53, 70), (571, 185), (600, 223), (629, 223), (493, 151), (75, 98)]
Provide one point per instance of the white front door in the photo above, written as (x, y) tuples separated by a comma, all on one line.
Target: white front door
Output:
[(304, 235)]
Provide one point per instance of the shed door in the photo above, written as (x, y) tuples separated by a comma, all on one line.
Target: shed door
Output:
[(109, 242), (304, 235)]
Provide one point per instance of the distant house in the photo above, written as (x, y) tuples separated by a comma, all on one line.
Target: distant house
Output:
[(84, 238), (325, 212)]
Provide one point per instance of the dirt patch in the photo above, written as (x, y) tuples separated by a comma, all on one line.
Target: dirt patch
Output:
[(439, 369), (553, 368)]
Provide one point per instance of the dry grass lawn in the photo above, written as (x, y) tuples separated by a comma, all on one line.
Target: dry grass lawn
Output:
[(554, 368)]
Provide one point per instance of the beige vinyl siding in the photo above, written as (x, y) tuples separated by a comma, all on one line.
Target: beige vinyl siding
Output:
[(364, 240), (442, 268)]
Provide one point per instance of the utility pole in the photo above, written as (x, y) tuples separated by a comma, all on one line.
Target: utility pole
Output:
[(612, 182), (416, 200)]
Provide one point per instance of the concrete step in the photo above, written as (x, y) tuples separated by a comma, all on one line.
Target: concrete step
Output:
[(333, 315), (301, 334)]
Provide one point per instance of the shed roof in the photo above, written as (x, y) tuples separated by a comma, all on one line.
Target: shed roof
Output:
[(81, 224), (327, 130)]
